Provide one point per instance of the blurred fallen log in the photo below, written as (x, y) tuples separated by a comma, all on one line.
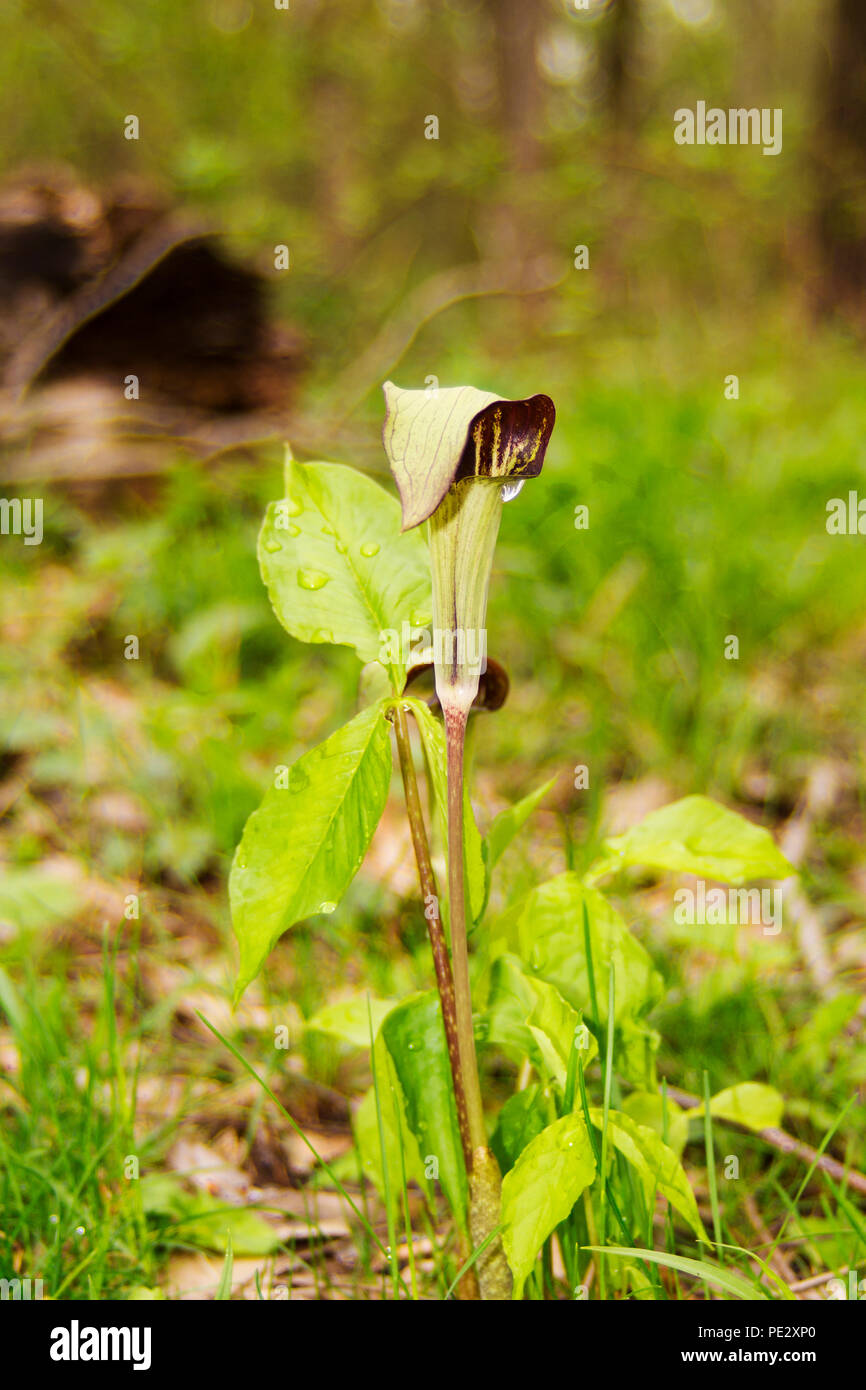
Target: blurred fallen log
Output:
[(127, 327)]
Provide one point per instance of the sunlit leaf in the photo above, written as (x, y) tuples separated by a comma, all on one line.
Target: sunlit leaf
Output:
[(751, 1103), (303, 846), (337, 568), (698, 836), (658, 1166), (541, 1189)]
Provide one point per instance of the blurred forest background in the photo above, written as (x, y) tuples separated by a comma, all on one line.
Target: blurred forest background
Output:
[(409, 257)]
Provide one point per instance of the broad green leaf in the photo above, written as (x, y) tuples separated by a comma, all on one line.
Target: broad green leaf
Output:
[(529, 1018), (415, 1037), (647, 1108), (523, 1116), (338, 569), (751, 1104), (541, 1189), (698, 836), (433, 737), (303, 846), (546, 930), (657, 1165), (349, 1019), (557, 1020), (635, 1049), (716, 1274), (427, 432)]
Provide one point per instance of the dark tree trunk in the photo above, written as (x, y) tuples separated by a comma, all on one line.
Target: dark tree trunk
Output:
[(841, 165), (618, 51)]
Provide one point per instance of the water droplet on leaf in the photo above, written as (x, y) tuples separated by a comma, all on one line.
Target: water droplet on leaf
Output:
[(327, 907), (312, 579), (370, 549), (273, 546)]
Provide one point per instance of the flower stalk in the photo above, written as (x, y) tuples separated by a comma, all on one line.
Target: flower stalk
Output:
[(457, 455), (435, 930)]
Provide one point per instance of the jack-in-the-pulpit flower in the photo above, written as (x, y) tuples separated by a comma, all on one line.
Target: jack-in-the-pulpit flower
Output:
[(457, 454)]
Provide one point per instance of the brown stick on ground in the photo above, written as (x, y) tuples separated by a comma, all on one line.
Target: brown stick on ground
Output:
[(786, 1144)]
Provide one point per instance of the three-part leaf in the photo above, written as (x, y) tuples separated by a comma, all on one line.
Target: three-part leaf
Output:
[(303, 846)]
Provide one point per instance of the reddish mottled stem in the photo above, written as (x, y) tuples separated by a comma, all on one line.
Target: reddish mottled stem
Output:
[(455, 739), (441, 962)]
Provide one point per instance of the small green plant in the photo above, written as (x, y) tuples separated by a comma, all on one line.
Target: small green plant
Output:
[(577, 1156)]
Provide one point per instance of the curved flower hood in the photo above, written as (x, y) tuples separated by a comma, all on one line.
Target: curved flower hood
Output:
[(457, 454), (432, 440)]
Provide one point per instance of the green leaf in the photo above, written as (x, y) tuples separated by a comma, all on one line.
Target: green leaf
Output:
[(415, 1037), (303, 846), (697, 836), (395, 1131), (433, 737), (349, 1019), (751, 1104), (541, 1189), (658, 1166), (426, 433), (547, 931), (647, 1108), (529, 1018), (699, 1269), (523, 1116), (338, 569)]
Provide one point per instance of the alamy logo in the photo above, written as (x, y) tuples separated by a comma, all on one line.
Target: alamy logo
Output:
[(464, 647), (76, 1343), (17, 1289), (737, 126), (22, 517), (846, 518), (719, 907)]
